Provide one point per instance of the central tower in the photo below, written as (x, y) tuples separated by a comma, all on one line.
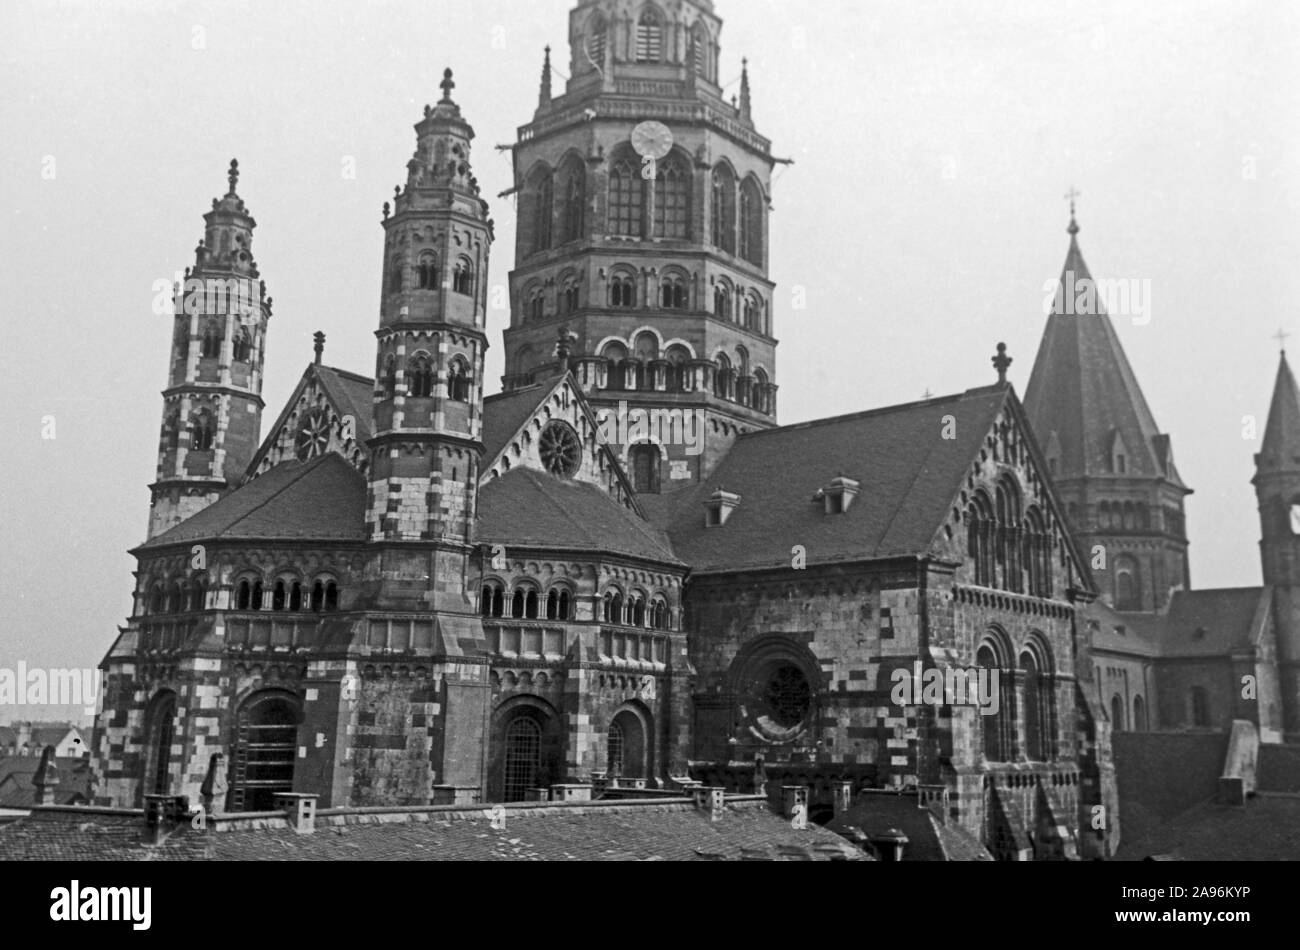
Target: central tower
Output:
[(643, 198)]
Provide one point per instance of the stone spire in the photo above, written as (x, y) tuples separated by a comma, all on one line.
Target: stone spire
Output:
[(1281, 449), (544, 98), (746, 111)]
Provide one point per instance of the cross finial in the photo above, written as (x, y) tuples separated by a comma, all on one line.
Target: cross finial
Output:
[(233, 176), (319, 339), (1282, 336), (1070, 196), (447, 85), (1002, 363)]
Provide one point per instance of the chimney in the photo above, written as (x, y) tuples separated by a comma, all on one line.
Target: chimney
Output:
[(22, 738), (300, 807), (889, 845), (46, 779), (711, 800), (599, 783), (164, 814), (792, 798), (760, 775)]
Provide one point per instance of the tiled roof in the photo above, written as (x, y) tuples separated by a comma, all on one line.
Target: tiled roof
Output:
[(1213, 622), (1139, 636), (671, 830), (909, 475), (1281, 446), (353, 395), (1266, 828), (42, 733), (928, 838), (320, 500), (533, 509), (17, 771), (1083, 389)]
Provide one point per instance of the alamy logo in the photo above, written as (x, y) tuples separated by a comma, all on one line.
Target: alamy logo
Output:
[(953, 686), (39, 686), (103, 903), (1083, 296), (628, 426)]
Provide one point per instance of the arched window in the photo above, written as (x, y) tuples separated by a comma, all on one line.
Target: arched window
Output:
[(278, 596), (1117, 713), (162, 730), (659, 614), (626, 199), (672, 200), (331, 596), (1128, 587), (622, 291), (645, 468), (295, 596), (175, 598), (536, 304), (649, 37), (597, 37), (198, 594), (1007, 549), (517, 605), (492, 600), (678, 371), (419, 376), (997, 738), (318, 596), (530, 605), (722, 302), (543, 198), (213, 335), (575, 202), (752, 319), (244, 596), (557, 604), (625, 746), (612, 605), (569, 296), (981, 532), (722, 377), (202, 428), (395, 274), (462, 280), (1035, 733), (762, 392), (427, 271), (1139, 715), (257, 596), (243, 345), (751, 222), (265, 747), (723, 210), (1200, 703), (702, 45), (1037, 556), (615, 354), (636, 610), (458, 380), (673, 293), (523, 757)]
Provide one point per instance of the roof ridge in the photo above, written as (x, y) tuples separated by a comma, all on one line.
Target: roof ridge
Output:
[(868, 413), (306, 468), (349, 374)]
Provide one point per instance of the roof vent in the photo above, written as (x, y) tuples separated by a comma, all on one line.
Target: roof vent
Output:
[(719, 507), (839, 494)]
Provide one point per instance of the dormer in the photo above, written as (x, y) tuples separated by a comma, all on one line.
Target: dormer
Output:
[(1118, 455), (719, 508), (839, 494)]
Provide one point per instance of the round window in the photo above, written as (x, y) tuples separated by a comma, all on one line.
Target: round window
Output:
[(787, 696), (560, 449)]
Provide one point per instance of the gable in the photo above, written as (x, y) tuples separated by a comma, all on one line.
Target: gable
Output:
[(329, 412), (517, 427)]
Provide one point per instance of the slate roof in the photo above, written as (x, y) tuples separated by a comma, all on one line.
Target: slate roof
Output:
[(42, 734), (529, 508), (1141, 631), (17, 771), (504, 413), (1083, 389), (909, 476), (1228, 621), (662, 830), (353, 395), (1266, 828), (1281, 446), (320, 500), (928, 838)]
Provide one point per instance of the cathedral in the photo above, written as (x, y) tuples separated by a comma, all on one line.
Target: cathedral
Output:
[(407, 591)]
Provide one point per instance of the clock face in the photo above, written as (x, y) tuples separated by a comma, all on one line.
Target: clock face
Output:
[(1295, 519), (652, 140)]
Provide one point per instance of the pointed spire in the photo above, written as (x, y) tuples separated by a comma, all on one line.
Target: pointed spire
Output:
[(1281, 449), (745, 102), (544, 99)]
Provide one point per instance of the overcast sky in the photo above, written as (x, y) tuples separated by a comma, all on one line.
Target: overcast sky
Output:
[(933, 145)]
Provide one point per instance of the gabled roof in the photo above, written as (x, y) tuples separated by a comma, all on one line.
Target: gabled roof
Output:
[(1135, 634), (1084, 391), (320, 500), (505, 413), (928, 838), (17, 772), (909, 475), (349, 393), (529, 508), (1214, 622), (1281, 449)]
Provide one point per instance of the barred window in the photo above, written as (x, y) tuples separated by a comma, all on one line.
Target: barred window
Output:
[(673, 200), (614, 758), (626, 200), (649, 37), (523, 757)]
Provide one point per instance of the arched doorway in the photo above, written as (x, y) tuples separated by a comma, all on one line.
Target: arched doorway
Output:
[(266, 739), (523, 757), (626, 747)]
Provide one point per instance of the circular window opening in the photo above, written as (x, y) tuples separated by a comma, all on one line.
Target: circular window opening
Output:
[(788, 696), (560, 449)]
